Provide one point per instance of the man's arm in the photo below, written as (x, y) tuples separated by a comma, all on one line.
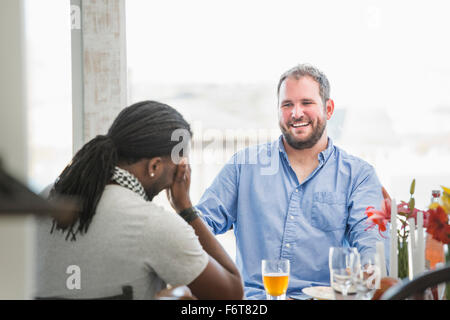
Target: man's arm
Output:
[(219, 202), (220, 279), (367, 191)]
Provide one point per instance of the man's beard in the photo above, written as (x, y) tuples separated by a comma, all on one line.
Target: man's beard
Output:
[(309, 141)]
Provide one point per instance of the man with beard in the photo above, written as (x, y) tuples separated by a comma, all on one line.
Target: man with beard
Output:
[(314, 200)]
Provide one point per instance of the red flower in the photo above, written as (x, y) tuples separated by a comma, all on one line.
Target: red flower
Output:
[(379, 217), (438, 225)]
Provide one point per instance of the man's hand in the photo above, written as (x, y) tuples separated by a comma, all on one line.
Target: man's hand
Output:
[(178, 192)]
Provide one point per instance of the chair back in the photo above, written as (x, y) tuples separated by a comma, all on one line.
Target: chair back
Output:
[(127, 294), (416, 287)]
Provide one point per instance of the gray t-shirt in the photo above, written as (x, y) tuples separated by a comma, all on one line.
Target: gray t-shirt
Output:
[(129, 242)]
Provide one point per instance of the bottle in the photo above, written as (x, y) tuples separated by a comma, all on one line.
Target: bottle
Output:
[(434, 250)]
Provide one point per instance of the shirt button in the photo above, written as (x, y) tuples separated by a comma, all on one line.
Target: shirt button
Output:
[(292, 217), (288, 245)]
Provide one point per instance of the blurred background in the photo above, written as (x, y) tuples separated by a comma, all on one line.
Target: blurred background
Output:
[(218, 63)]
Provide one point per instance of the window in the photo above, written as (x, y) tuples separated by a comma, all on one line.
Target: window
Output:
[(48, 63), (218, 63)]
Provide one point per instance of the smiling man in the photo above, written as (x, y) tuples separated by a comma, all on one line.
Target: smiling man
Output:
[(314, 200)]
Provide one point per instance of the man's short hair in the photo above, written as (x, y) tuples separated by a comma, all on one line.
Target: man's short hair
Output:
[(307, 70)]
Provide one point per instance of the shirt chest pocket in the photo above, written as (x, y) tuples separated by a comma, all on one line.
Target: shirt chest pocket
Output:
[(329, 211)]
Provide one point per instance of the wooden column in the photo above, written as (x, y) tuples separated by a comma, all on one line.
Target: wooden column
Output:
[(100, 89)]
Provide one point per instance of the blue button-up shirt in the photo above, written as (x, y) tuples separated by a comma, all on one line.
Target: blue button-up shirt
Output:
[(274, 216)]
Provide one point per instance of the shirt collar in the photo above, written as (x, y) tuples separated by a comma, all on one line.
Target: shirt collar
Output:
[(281, 148), (322, 156), (325, 154)]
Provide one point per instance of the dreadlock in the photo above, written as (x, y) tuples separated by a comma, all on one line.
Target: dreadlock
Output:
[(142, 130)]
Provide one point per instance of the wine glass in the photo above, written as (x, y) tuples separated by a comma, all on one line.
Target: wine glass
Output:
[(367, 276), (342, 261), (275, 275)]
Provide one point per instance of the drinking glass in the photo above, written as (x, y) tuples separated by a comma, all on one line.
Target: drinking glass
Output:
[(275, 275), (367, 276), (342, 261)]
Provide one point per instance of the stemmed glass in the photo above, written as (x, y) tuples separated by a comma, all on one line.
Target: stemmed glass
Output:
[(342, 261), (367, 276), (275, 275)]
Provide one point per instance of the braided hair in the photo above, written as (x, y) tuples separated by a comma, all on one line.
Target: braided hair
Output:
[(142, 130)]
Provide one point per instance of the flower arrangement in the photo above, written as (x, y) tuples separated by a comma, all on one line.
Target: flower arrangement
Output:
[(435, 220)]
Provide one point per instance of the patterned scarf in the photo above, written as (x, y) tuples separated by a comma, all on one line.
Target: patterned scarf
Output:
[(129, 181)]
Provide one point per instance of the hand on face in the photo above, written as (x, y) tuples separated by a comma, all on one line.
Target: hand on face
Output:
[(178, 192)]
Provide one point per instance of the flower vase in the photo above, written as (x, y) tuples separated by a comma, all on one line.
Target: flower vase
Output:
[(403, 271)]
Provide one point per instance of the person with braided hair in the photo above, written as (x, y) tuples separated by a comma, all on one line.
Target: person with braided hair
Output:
[(119, 236)]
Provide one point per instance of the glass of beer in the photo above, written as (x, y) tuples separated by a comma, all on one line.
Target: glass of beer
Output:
[(275, 275)]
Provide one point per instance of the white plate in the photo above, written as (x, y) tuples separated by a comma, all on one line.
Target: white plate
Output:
[(323, 293), (320, 293)]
